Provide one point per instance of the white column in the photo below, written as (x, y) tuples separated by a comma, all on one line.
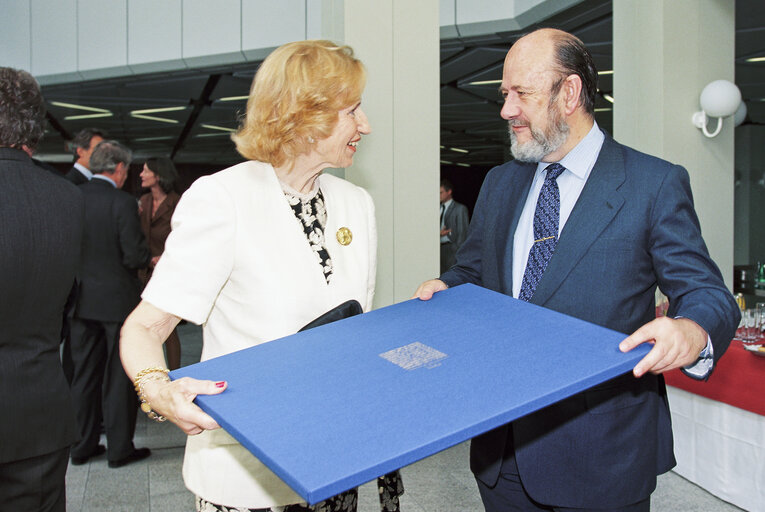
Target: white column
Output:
[(664, 55), (398, 41)]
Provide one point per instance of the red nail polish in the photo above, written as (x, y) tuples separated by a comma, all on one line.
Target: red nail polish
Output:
[(220, 384)]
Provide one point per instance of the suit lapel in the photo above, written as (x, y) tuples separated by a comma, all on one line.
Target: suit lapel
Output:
[(164, 207), (509, 209), (596, 207)]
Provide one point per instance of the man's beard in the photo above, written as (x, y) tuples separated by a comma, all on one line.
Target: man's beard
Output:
[(543, 142)]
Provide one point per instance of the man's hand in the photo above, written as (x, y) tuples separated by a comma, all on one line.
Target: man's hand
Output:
[(676, 343), (426, 290), (445, 231)]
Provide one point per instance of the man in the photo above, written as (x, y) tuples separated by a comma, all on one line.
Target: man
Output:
[(454, 225), (41, 226), (582, 225), (83, 145), (113, 250)]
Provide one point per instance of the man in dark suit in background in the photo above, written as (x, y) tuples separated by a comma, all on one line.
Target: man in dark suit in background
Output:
[(41, 228), (454, 225), (583, 225), (114, 249), (83, 145)]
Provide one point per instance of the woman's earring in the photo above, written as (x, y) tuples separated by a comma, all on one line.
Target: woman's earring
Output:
[(310, 140)]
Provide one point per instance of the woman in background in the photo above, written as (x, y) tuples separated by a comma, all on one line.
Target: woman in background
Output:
[(156, 209), (258, 251)]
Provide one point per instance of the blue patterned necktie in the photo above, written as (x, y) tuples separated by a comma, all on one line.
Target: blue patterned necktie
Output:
[(546, 220)]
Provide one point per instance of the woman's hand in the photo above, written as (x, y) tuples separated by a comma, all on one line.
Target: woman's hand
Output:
[(173, 400)]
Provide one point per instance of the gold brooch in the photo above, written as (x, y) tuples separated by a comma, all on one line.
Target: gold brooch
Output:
[(344, 236)]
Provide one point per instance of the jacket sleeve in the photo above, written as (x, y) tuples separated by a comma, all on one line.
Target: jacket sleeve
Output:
[(135, 251), (684, 269), (459, 226), (469, 263)]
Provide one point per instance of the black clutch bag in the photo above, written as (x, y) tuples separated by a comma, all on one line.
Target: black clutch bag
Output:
[(346, 309)]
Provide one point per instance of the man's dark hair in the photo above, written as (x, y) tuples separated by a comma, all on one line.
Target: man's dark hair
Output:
[(446, 184), (573, 58), (83, 137), (107, 155), (22, 109)]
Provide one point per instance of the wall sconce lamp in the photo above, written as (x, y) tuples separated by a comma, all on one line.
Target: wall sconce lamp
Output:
[(719, 99)]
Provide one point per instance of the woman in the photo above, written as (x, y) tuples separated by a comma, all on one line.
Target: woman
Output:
[(248, 258), (156, 209)]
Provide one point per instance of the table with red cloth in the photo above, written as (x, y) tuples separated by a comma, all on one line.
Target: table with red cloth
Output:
[(719, 428), (737, 380)]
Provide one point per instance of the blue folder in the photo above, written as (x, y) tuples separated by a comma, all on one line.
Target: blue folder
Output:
[(336, 406)]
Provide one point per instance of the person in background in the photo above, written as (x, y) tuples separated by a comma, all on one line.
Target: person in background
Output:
[(454, 225), (156, 209), (585, 226), (257, 251), (113, 250), (41, 230), (83, 145)]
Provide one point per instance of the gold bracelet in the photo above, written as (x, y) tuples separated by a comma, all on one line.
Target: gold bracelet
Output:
[(145, 375), (146, 371)]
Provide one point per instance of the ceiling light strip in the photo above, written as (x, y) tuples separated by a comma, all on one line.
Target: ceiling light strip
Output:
[(157, 110), (153, 118), (221, 128), (216, 134), (233, 98), (79, 107), (149, 139), (486, 82), (88, 116)]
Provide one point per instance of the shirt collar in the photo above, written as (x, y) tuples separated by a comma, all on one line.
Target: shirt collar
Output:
[(84, 170), (447, 204), (583, 156), (102, 177)]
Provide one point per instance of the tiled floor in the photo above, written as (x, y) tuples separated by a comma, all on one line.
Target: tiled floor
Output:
[(441, 483)]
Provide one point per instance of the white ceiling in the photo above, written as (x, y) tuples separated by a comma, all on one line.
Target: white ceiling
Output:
[(196, 131)]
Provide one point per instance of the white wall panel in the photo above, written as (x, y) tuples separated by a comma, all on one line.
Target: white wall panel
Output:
[(447, 18), (155, 35), (398, 162), (313, 19), (102, 38), (268, 24), (54, 40), (474, 11), (15, 42), (661, 81), (481, 17), (212, 32)]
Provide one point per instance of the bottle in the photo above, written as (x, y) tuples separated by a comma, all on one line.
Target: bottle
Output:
[(760, 279), (742, 306), (740, 301)]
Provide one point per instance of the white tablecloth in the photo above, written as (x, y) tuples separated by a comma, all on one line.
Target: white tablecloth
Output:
[(720, 448)]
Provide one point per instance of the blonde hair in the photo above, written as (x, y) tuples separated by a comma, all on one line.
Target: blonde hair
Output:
[(295, 98)]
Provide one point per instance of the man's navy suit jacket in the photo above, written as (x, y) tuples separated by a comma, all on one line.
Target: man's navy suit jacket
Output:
[(633, 228)]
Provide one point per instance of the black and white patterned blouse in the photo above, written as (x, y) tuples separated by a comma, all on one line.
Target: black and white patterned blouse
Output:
[(310, 211)]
